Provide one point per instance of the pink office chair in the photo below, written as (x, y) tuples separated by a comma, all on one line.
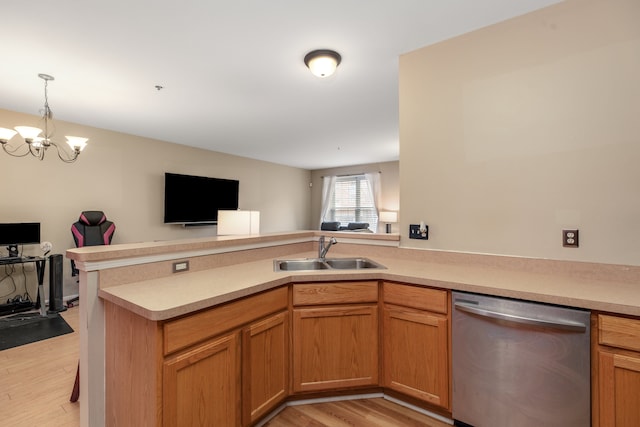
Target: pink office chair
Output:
[(91, 229)]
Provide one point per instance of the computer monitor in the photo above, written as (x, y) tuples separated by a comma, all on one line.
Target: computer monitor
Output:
[(19, 233)]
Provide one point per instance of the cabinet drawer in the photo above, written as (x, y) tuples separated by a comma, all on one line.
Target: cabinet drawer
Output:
[(429, 299), (335, 293), (619, 332), (183, 332)]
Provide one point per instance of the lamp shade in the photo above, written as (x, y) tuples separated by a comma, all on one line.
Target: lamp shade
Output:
[(39, 142), (388, 216), (28, 132), (6, 134), (238, 222), (76, 142)]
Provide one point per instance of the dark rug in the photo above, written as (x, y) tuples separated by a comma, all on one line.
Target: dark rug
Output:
[(21, 329)]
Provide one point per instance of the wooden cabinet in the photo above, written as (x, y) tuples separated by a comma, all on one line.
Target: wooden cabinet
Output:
[(233, 364), (188, 371), (616, 379), (335, 336), (133, 368), (200, 387), (416, 342), (265, 366)]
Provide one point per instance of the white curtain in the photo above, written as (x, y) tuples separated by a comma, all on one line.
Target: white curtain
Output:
[(374, 186), (328, 187)]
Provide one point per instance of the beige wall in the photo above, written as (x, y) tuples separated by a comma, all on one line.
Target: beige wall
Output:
[(511, 133), (123, 175), (389, 187)]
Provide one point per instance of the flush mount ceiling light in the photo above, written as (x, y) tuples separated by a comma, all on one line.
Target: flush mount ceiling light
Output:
[(37, 145), (323, 62)]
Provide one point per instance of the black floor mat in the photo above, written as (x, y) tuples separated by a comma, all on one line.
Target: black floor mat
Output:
[(21, 329)]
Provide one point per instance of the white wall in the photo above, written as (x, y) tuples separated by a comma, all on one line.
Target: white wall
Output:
[(389, 187), (123, 175), (511, 133)]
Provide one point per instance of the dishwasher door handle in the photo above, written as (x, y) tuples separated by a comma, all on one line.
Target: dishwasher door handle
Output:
[(565, 325)]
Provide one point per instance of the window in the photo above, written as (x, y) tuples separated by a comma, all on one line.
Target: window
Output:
[(351, 198)]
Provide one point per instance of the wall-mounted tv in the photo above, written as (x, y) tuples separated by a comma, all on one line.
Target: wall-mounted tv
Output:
[(190, 199)]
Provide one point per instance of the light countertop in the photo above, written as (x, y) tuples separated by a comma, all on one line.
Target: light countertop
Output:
[(181, 293)]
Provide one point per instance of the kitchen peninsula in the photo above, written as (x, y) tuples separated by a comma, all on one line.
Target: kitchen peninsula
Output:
[(131, 291)]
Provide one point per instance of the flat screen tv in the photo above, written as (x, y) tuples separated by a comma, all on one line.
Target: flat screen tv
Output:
[(190, 199), (19, 233)]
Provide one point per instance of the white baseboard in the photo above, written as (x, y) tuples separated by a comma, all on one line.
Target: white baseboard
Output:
[(65, 298), (418, 409), (70, 297)]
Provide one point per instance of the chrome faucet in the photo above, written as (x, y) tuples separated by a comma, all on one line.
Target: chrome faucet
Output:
[(322, 249)]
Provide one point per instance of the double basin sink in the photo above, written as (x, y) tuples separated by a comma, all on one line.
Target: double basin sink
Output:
[(325, 264)]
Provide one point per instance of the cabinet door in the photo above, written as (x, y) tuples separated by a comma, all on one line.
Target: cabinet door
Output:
[(201, 387), (335, 347), (265, 366), (416, 356), (619, 389)]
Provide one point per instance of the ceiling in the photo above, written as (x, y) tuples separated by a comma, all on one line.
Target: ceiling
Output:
[(232, 71)]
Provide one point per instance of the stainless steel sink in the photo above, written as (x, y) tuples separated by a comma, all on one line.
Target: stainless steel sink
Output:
[(310, 264), (352, 263), (299, 264)]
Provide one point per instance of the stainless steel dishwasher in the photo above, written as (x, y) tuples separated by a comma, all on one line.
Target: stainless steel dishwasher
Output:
[(519, 363)]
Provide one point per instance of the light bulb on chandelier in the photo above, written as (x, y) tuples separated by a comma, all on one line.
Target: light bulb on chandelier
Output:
[(34, 143)]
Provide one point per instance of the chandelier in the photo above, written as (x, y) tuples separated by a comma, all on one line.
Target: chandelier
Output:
[(37, 145)]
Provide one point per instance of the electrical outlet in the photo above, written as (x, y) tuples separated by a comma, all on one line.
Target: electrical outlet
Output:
[(180, 266), (570, 238), (414, 232)]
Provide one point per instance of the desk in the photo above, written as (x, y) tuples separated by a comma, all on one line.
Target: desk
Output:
[(40, 264)]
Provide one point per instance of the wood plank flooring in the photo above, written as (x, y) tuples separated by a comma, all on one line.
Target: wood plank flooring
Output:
[(36, 382), (352, 413)]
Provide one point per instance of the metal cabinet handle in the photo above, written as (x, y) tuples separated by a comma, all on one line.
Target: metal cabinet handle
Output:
[(564, 325)]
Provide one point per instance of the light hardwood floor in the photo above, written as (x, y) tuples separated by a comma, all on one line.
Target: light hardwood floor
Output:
[(352, 413), (36, 382)]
